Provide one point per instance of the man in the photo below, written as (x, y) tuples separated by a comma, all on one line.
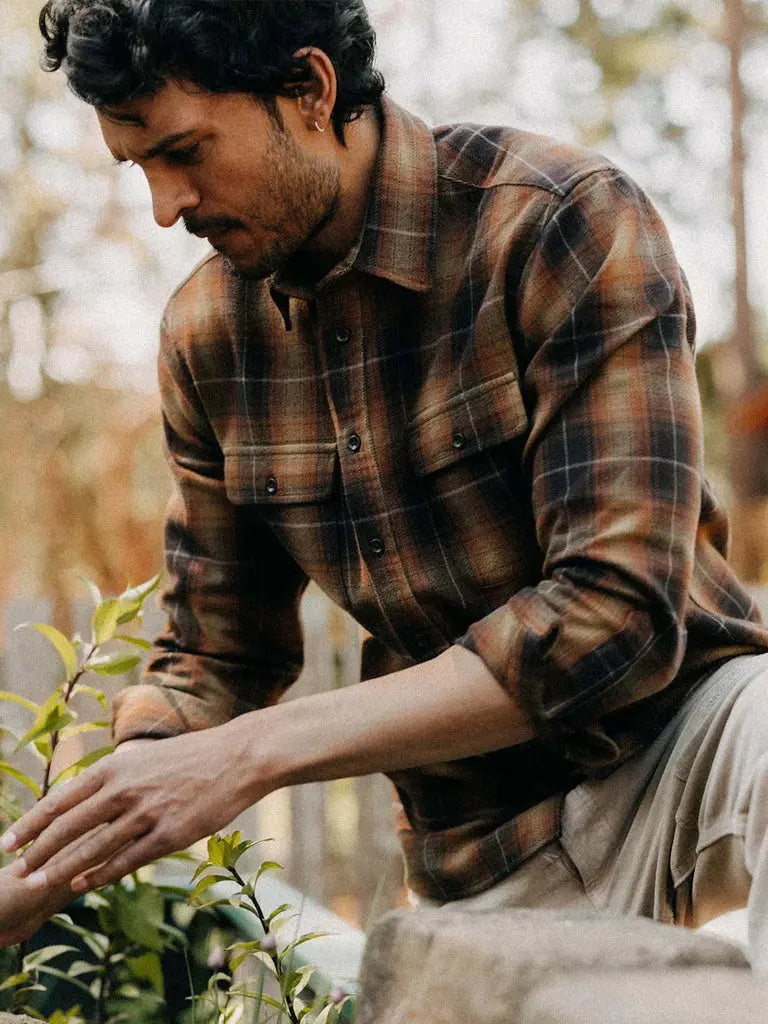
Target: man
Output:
[(449, 376)]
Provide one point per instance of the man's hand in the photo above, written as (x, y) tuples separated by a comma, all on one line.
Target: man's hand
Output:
[(134, 806)]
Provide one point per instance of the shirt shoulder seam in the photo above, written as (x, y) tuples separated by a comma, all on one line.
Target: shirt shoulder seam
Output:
[(578, 179)]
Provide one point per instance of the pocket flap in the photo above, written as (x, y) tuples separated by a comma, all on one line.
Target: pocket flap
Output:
[(480, 418), (279, 474)]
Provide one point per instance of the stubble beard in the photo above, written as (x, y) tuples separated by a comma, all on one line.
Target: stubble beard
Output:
[(304, 194)]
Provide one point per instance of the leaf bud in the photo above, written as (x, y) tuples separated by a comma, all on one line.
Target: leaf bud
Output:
[(217, 959)]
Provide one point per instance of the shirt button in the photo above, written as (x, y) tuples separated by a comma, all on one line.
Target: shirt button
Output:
[(377, 546), (354, 443), (342, 335), (459, 441), (271, 485)]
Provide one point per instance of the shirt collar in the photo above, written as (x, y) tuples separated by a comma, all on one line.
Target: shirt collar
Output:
[(398, 238)]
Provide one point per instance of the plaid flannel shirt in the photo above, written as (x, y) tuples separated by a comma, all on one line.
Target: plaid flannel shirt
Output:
[(482, 427)]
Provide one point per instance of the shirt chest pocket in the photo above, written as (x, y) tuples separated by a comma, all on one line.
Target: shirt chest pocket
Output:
[(466, 453), (477, 420), (280, 475)]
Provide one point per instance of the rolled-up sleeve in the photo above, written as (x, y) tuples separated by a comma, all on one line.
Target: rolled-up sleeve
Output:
[(233, 640), (614, 456)]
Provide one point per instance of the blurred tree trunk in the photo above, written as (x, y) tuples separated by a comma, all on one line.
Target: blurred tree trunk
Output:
[(746, 449)]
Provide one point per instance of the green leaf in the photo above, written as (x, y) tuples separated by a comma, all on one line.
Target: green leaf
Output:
[(81, 967), (139, 915), (98, 944), (217, 846), (25, 780), (113, 664), (44, 747), (79, 766), (147, 967), (71, 1016), (65, 648), (53, 716), (255, 954), (74, 730), (44, 955), (309, 937), (247, 993), (14, 981), (205, 883), (267, 865), (104, 622), (16, 699), (132, 600), (214, 903), (93, 590), (327, 1015), (137, 641), (91, 691), (54, 972), (278, 911), (300, 978)]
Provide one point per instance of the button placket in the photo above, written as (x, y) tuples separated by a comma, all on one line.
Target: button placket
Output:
[(342, 357)]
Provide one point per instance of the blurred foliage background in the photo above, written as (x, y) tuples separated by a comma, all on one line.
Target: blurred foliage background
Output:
[(84, 271)]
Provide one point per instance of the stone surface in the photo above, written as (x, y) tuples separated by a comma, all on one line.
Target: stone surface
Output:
[(10, 1018), (695, 996), (451, 967)]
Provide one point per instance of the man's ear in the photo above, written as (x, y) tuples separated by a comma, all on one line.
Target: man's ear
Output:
[(318, 97)]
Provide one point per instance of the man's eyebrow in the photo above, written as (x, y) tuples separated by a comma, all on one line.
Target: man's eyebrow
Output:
[(163, 145)]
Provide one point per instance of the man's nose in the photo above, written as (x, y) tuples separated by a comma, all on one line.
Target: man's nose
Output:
[(171, 197)]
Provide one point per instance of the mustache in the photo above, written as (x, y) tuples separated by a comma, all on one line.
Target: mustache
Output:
[(195, 225)]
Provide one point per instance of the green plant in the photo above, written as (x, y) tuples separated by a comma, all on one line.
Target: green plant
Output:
[(128, 935), (116, 955), (274, 958)]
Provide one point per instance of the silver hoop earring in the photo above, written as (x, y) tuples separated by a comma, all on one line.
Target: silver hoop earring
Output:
[(319, 129)]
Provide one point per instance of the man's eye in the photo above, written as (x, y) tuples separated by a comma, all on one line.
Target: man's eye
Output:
[(182, 156)]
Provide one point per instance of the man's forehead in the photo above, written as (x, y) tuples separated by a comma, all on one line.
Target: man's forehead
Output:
[(160, 111)]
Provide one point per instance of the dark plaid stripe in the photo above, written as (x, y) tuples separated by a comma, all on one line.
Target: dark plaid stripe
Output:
[(482, 428)]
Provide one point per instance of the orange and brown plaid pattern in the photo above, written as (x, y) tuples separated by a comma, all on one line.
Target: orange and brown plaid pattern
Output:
[(482, 428)]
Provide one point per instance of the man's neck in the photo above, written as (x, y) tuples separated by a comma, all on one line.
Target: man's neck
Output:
[(357, 166)]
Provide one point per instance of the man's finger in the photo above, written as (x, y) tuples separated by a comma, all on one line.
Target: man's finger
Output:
[(71, 827), (130, 858), (50, 808), (94, 849)]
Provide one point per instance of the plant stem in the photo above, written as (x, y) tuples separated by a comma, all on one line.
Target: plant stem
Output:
[(273, 956), (71, 684), (104, 988), (21, 952)]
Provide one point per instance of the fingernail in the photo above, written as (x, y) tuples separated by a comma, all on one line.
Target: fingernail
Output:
[(79, 884), (9, 842), (37, 880)]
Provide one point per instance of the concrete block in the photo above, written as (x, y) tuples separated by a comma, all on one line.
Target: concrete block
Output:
[(696, 996), (456, 967)]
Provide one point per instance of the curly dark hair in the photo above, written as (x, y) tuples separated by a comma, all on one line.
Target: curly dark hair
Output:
[(115, 50)]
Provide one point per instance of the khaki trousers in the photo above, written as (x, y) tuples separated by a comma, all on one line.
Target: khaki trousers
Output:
[(679, 833)]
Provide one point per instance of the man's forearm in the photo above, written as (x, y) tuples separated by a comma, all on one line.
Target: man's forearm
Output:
[(448, 708), (138, 807)]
